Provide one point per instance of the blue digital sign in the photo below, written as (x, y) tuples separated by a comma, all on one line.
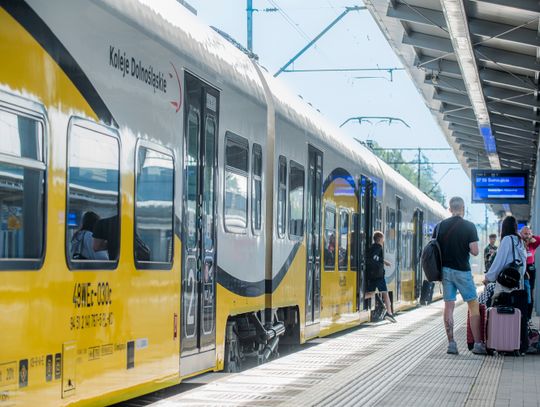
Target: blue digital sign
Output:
[(500, 186)]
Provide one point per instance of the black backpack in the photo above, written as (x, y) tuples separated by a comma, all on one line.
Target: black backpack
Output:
[(432, 259), (510, 276)]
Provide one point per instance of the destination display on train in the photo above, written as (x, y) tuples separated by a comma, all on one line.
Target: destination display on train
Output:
[(500, 186)]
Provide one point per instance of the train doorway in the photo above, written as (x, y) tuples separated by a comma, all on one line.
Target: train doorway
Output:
[(399, 249), (313, 272), (365, 210), (418, 224), (198, 313)]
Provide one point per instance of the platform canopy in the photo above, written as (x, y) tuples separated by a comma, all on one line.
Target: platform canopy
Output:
[(477, 65)]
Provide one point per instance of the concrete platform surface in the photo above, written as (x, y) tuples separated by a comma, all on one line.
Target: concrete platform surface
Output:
[(385, 365)]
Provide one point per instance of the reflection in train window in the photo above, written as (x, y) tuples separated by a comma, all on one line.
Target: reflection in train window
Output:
[(22, 180), (236, 183), (329, 238), (391, 230), (282, 197), (93, 227), (354, 241), (153, 239), (378, 217), (343, 251), (256, 193), (296, 200)]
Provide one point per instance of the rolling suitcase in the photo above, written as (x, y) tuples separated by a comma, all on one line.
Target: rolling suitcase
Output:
[(516, 299), (470, 338), (503, 329)]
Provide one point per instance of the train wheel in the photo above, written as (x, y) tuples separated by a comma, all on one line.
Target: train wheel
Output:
[(233, 360)]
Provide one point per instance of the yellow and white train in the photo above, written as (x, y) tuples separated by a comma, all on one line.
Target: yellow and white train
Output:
[(227, 215)]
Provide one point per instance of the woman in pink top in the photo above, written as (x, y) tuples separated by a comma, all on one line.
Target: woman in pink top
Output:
[(531, 243)]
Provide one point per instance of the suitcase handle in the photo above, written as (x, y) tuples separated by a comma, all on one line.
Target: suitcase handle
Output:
[(505, 310)]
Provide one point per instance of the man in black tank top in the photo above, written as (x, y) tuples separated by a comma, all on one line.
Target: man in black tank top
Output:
[(458, 239)]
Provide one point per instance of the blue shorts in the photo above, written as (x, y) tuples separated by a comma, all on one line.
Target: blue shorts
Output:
[(377, 284), (527, 287), (457, 280)]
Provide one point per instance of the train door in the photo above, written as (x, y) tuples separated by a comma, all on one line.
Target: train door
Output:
[(399, 248), (197, 346), (364, 237), (418, 223), (314, 198)]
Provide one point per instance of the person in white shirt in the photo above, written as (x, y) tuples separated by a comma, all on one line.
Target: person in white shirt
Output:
[(82, 241), (511, 245)]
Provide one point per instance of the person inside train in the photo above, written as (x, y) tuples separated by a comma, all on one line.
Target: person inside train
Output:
[(107, 236), (375, 263), (458, 239), (82, 241)]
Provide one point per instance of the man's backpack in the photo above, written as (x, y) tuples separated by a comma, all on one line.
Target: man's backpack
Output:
[(432, 259)]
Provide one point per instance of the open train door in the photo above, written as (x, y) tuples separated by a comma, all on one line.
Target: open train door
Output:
[(365, 234), (198, 299), (313, 227), (418, 224)]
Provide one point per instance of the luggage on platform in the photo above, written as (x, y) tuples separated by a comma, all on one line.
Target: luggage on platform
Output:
[(517, 299), (426, 295), (503, 329), (470, 338)]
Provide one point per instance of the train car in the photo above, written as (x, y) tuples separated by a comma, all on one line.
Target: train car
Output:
[(168, 208)]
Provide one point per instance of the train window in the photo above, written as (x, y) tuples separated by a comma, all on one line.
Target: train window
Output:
[(256, 193), (154, 191), (282, 197), (329, 238), (236, 183), (391, 230), (22, 188), (192, 178), (354, 241), (93, 221), (343, 253), (378, 218), (296, 200)]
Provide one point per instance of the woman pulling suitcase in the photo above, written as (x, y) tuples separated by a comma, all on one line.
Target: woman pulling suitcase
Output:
[(507, 319)]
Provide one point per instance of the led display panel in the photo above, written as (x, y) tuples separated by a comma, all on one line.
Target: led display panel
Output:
[(500, 186)]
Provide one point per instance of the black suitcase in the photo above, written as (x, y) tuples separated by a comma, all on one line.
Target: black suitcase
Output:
[(426, 295), (517, 299)]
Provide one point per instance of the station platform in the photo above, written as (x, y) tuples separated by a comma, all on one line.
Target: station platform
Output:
[(383, 364)]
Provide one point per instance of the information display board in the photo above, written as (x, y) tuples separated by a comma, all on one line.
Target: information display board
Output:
[(500, 186)]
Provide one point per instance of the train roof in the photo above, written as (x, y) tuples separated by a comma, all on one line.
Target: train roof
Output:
[(185, 34)]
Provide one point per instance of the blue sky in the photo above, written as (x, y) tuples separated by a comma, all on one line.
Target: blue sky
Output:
[(355, 42)]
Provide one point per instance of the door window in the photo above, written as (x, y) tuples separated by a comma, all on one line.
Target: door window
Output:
[(343, 253), (329, 238), (192, 177), (296, 200), (208, 190)]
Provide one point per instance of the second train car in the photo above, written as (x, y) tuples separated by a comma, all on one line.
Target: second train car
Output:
[(221, 215)]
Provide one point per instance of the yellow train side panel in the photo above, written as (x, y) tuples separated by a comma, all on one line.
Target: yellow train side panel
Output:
[(61, 345)]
